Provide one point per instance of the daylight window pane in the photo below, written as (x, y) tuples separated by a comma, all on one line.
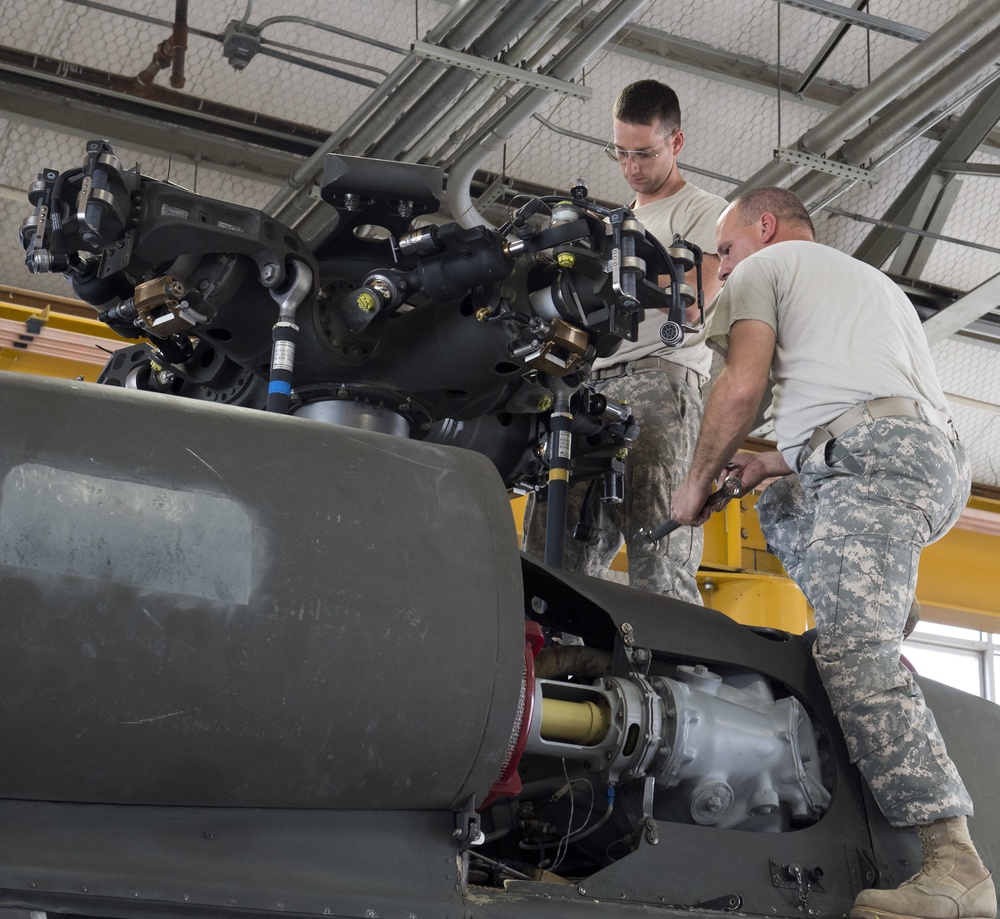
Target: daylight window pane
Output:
[(947, 631), (954, 668)]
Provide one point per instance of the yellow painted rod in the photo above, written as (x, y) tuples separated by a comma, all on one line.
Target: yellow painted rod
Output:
[(584, 723)]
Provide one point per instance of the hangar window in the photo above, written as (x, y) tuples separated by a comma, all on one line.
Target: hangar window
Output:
[(963, 658)]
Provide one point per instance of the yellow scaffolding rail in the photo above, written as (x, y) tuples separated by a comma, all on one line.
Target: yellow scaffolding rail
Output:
[(53, 337), (958, 581)]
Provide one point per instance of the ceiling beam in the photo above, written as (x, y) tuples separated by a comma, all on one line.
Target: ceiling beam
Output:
[(689, 56), (676, 53), (931, 212), (965, 310), (823, 55), (93, 103), (965, 136), (857, 18)]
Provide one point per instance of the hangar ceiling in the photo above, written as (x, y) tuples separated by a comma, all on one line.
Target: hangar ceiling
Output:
[(880, 113)]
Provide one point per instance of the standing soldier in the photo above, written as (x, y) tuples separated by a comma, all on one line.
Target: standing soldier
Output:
[(662, 386), (871, 470)]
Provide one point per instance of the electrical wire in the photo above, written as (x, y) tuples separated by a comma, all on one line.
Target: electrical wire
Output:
[(563, 846), (319, 68), (571, 835), (291, 59), (328, 57), (344, 33)]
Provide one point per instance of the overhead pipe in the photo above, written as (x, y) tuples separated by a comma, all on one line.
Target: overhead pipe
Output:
[(293, 200), (490, 91), (449, 87), (180, 42), (424, 74), (570, 61), (914, 66), (573, 22), (923, 101), (881, 91), (409, 82), (907, 113), (291, 203), (169, 53)]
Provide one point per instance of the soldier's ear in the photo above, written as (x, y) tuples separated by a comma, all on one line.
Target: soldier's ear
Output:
[(768, 227)]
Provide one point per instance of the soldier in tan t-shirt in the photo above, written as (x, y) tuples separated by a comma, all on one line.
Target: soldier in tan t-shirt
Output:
[(870, 471), (661, 385)]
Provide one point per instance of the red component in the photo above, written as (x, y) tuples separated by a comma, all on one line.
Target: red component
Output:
[(509, 782), (534, 638)]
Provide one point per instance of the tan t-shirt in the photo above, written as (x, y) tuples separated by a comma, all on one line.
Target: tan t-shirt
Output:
[(692, 213), (845, 334)]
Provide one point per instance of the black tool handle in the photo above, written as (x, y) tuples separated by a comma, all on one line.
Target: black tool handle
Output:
[(662, 530), (732, 488)]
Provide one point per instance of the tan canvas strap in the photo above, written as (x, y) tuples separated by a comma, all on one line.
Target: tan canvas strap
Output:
[(881, 408), (689, 376)]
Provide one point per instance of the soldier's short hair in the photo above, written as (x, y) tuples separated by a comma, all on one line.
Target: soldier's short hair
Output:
[(784, 204), (649, 101)]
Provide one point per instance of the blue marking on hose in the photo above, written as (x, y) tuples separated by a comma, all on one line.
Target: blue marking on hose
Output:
[(282, 362)]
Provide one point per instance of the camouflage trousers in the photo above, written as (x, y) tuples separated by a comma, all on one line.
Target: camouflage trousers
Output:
[(849, 529), (669, 413)]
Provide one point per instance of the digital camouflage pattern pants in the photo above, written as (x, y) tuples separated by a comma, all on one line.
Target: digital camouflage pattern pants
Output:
[(849, 529), (669, 413)]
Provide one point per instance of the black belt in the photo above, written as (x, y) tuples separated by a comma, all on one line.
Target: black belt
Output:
[(689, 376), (882, 408)]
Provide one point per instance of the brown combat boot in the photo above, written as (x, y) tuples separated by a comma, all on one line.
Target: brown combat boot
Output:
[(952, 884)]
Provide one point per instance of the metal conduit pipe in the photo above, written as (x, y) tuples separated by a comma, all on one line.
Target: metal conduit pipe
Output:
[(460, 176), (881, 91), (923, 101), (424, 74), (435, 145), (907, 113), (558, 63), (814, 189), (561, 18), (530, 48), (418, 86), (775, 172), (510, 23), (458, 24), (420, 117), (885, 88), (487, 89), (292, 201), (573, 21), (407, 113), (533, 57)]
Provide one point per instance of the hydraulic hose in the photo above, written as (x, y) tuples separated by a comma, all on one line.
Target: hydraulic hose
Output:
[(283, 337), (560, 454)]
